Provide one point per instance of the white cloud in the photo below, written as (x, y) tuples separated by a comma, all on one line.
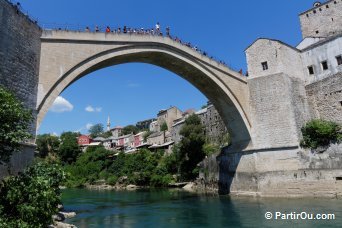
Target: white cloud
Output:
[(90, 108), (86, 127), (89, 125), (61, 105)]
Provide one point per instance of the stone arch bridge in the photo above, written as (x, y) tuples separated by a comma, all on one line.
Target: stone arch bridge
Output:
[(66, 56)]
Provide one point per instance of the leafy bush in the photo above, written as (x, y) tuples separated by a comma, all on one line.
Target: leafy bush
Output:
[(88, 167), (210, 149), (14, 124), (31, 198), (318, 133), (112, 180)]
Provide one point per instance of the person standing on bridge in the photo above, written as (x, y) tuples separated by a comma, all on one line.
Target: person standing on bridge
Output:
[(87, 29), (157, 28), (97, 29), (168, 31), (108, 29)]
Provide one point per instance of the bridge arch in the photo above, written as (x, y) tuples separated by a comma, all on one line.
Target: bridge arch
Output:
[(68, 56)]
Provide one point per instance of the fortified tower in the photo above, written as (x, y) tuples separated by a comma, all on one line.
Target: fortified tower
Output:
[(323, 20)]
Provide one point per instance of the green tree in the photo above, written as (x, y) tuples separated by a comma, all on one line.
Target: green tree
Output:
[(14, 124), (69, 134), (96, 130), (31, 198), (190, 151), (68, 149), (320, 133), (129, 129), (47, 144), (163, 127)]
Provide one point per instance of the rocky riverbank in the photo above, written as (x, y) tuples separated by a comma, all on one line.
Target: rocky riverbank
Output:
[(60, 217)]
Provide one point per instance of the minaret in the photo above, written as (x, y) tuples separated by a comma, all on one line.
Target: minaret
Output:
[(108, 124)]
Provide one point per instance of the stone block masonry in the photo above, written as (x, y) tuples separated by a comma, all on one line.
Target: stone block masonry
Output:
[(278, 109), (325, 98), (19, 55), (19, 69)]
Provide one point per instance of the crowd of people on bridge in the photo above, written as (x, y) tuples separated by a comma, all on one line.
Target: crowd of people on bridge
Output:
[(156, 31)]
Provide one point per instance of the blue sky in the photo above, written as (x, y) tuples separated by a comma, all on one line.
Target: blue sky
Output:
[(132, 92)]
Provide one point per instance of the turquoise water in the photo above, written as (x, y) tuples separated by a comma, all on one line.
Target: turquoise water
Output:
[(174, 208)]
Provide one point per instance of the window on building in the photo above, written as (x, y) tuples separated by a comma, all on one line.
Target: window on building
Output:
[(307, 15), (264, 65), (311, 70), (317, 31), (327, 6), (314, 11), (339, 60), (324, 65), (320, 9)]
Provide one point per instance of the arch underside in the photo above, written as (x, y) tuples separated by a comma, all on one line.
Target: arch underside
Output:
[(195, 72)]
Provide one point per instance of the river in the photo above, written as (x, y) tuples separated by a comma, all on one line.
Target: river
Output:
[(175, 208)]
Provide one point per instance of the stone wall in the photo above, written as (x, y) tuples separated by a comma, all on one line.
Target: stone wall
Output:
[(279, 109), (19, 69), (323, 20), (287, 172), (325, 98), (20, 55)]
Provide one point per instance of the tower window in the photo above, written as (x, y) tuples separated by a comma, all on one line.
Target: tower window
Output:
[(264, 65), (324, 65), (311, 70), (339, 60)]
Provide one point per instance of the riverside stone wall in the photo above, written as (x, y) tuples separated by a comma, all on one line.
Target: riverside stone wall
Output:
[(19, 69), (287, 172)]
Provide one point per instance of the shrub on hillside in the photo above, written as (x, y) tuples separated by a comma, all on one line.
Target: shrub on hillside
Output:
[(320, 133)]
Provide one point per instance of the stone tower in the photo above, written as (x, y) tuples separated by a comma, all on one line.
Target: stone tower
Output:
[(322, 20)]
